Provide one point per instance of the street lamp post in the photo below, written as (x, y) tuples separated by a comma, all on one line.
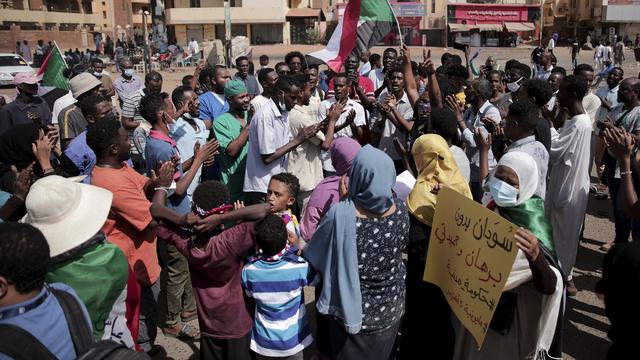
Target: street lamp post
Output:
[(145, 48)]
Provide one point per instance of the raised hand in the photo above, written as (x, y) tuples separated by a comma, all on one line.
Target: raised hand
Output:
[(350, 117), (23, 181), (238, 205), (483, 144), (207, 153), (42, 148), (165, 174), (454, 105), (335, 111), (308, 132), (391, 102), (528, 243)]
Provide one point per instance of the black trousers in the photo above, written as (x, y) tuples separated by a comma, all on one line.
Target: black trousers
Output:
[(225, 349), (622, 222)]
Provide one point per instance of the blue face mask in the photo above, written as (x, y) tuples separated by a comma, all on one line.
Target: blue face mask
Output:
[(128, 72), (503, 194)]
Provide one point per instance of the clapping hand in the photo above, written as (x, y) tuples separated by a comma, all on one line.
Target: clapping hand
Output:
[(23, 181), (619, 142)]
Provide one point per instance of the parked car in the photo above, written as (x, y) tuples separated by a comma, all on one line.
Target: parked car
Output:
[(11, 64)]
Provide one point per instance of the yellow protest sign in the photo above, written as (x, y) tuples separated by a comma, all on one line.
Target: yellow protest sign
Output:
[(471, 252)]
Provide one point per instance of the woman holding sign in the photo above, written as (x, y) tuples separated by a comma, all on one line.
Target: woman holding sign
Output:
[(427, 322), (529, 310), (357, 249)]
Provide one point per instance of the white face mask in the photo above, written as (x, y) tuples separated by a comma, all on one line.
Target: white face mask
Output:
[(128, 72), (514, 86), (503, 194)]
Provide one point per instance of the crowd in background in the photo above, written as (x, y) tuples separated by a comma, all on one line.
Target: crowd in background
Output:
[(241, 189)]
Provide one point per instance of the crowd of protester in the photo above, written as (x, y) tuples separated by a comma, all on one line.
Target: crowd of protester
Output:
[(228, 195)]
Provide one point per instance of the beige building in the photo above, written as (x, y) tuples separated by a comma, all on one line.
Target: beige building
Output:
[(109, 17), (602, 19), (262, 21)]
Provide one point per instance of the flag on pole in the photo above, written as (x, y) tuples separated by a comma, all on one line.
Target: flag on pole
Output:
[(364, 23), (52, 69)]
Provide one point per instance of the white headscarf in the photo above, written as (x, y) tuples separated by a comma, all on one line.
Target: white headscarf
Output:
[(527, 170), (525, 167)]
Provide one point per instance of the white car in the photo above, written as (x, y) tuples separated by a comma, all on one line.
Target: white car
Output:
[(11, 64)]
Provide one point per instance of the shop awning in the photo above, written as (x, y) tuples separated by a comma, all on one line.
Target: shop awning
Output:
[(461, 27), (305, 13), (517, 27), (489, 27)]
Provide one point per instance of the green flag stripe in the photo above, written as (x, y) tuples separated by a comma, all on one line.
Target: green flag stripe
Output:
[(53, 73), (375, 10), (370, 33)]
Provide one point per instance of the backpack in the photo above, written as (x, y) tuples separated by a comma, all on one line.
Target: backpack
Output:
[(21, 345)]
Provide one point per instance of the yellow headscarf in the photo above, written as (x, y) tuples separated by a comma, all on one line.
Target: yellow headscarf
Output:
[(435, 164)]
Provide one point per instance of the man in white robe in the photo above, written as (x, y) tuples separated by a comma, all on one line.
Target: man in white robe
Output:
[(568, 189)]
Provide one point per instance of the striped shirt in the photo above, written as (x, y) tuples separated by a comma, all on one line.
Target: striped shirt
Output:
[(280, 325), (131, 109)]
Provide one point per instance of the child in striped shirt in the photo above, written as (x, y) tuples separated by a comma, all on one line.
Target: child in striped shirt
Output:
[(276, 278), (281, 195)]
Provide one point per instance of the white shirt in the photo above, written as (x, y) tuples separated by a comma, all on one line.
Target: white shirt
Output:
[(599, 51), (220, 97), (552, 102), (606, 53), (551, 45), (346, 132), (390, 130), (186, 137), (487, 110), (269, 132), (611, 95), (258, 102), (304, 160), (377, 78), (543, 74), (569, 162), (591, 104), (365, 69), (194, 48), (463, 162)]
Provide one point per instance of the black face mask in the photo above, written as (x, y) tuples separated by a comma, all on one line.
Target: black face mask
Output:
[(108, 117)]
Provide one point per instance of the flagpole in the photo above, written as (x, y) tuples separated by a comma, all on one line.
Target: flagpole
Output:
[(397, 23), (55, 43)]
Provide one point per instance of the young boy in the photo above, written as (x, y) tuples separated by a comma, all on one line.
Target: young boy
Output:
[(281, 195), (276, 278), (216, 258)]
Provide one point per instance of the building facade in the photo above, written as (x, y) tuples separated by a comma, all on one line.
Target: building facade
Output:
[(115, 18), (595, 19), (503, 25)]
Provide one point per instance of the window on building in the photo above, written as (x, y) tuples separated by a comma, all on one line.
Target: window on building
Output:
[(194, 3), (104, 3), (433, 6), (104, 25), (104, 14)]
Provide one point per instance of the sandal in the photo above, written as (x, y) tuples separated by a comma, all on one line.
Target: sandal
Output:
[(186, 332), (189, 315)]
